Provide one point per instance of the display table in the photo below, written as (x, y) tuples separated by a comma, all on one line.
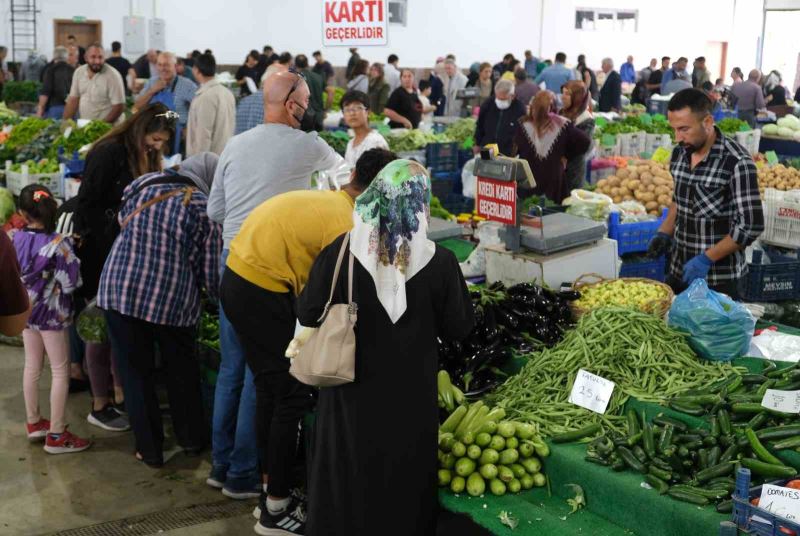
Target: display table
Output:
[(616, 502), (781, 146)]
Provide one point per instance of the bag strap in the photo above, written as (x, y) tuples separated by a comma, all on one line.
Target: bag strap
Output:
[(187, 195), (342, 250)]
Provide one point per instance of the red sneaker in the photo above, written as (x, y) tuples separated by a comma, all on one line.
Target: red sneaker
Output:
[(66, 442), (38, 430)]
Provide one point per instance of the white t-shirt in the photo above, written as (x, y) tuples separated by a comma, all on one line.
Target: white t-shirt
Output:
[(373, 141), (428, 117)]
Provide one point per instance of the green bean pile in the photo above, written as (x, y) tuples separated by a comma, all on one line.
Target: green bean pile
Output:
[(638, 352)]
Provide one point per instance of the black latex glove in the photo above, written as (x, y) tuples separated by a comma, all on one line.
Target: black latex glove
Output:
[(659, 245)]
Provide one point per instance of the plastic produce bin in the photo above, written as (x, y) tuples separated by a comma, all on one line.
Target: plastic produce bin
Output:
[(745, 514), (633, 237), (776, 280)]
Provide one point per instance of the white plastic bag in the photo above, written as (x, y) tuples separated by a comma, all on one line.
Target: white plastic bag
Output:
[(590, 205), (488, 234), (469, 182), (776, 346)]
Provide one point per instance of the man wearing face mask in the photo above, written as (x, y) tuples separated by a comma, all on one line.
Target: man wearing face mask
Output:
[(716, 209), (265, 161), (97, 90), (497, 120)]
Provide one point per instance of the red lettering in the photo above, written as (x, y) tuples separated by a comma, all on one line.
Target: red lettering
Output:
[(379, 32), (380, 10), (344, 12), (358, 12), (330, 14), (370, 6)]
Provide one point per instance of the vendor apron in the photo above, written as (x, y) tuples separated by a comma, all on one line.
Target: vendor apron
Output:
[(167, 98)]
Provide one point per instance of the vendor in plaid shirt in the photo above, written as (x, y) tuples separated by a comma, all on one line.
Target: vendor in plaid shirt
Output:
[(716, 209)]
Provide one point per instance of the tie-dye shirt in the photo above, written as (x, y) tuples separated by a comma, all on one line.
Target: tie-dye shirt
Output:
[(50, 271)]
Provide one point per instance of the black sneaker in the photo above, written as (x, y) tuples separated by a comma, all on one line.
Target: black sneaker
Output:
[(108, 419), (296, 493), (291, 522), (120, 408)]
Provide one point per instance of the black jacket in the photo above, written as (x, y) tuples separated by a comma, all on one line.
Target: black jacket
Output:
[(498, 126), (611, 93)]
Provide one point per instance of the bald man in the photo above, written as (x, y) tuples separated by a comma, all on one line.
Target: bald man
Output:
[(168, 87), (270, 159), (749, 98)]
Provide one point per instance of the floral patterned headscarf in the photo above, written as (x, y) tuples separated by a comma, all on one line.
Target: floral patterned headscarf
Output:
[(389, 236)]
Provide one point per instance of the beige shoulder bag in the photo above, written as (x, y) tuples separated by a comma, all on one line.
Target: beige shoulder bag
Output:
[(328, 358)]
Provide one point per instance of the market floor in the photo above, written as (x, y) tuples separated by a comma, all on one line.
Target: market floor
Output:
[(101, 487)]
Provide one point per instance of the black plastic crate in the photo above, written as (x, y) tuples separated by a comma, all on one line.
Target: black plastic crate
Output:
[(458, 204), (777, 280), (442, 157)]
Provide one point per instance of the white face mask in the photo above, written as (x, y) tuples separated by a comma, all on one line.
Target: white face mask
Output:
[(502, 104)]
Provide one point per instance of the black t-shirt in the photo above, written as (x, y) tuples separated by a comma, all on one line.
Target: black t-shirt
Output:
[(57, 82), (142, 67), (655, 78), (122, 65), (778, 96), (406, 104), (325, 70), (245, 71)]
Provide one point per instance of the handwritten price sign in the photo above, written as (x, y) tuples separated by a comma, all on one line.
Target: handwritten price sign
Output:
[(783, 502), (783, 401), (591, 392)]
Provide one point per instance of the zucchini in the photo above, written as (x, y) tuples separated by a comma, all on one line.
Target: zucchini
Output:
[(788, 443), (661, 464), (657, 484), (633, 422), (725, 507), (714, 455), (463, 425), (687, 496), (702, 459), (639, 453), (721, 469), (753, 379), (779, 432), (597, 460), (707, 493), (631, 460), (724, 420), (452, 422), (445, 389), (760, 450), (659, 472), (575, 435), (663, 420), (666, 438), (768, 469), (634, 439), (648, 439), (747, 407), (715, 427), (474, 427), (687, 438), (699, 400)]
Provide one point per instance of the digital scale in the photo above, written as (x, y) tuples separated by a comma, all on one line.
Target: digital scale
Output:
[(549, 247), (439, 229)]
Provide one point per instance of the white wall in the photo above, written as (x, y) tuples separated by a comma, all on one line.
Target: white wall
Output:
[(473, 30)]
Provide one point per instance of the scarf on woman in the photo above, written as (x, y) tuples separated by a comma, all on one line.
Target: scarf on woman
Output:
[(389, 236), (542, 143)]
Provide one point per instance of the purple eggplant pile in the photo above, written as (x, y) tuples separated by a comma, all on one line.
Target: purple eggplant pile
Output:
[(508, 321)]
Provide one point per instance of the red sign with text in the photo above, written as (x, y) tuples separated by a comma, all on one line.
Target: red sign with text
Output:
[(497, 200), (354, 23)]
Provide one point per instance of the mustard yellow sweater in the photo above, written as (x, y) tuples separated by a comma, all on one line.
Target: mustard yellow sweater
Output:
[(280, 239)]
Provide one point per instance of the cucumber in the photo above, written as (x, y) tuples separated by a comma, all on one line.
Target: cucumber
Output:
[(725, 507), (687, 496), (659, 472), (666, 438), (575, 435), (648, 439), (721, 469), (759, 450), (463, 425), (633, 422), (788, 443), (779, 432), (639, 453), (663, 420), (631, 460), (747, 407), (689, 409), (707, 493), (657, 484), (753, 379), (724, 419), (768, 469)]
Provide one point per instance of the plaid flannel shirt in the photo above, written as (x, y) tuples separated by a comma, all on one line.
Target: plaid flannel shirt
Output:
[(250, 112), (163, 258), (717, 198)]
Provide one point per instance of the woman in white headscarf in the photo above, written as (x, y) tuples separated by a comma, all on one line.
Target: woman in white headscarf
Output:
[(166, 255), (374, 467)]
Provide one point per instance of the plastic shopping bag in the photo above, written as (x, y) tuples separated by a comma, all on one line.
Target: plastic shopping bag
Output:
[(718, 328), (469, 182), (91, 324), (589, 205)]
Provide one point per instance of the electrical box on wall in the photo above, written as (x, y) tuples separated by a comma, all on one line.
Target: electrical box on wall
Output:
[(133, 35), (158, 39)]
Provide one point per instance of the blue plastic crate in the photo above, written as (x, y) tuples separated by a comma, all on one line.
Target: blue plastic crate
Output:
[(464, 156), (74, 165), (777, 280), (743, 511), (632, 237), (442, 157), (441, 188), (719, 115), (649, 269)]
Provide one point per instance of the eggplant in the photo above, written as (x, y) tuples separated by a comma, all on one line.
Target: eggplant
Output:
[(569, 295)]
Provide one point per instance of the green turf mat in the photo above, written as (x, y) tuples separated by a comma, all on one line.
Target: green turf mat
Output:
[(461, 248)]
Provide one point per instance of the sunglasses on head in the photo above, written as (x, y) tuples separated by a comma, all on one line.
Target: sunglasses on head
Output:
[(296, 84)]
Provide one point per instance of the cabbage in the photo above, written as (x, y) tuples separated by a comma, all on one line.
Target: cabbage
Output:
[(7, 207), (796, 136), (785, 132), (789, 121), (771, 129)]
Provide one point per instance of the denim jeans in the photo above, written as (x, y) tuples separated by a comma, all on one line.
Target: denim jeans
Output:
[(233, 428), (55, 112)]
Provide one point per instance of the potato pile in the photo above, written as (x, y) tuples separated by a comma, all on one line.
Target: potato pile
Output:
[(778, 177), (647, 182)]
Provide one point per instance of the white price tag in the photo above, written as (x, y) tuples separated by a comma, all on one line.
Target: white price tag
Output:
[(67, 133), (591, 392), (783, 401), (783, 502)]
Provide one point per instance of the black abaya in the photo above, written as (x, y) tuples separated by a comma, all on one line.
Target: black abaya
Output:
[(373, 466)]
